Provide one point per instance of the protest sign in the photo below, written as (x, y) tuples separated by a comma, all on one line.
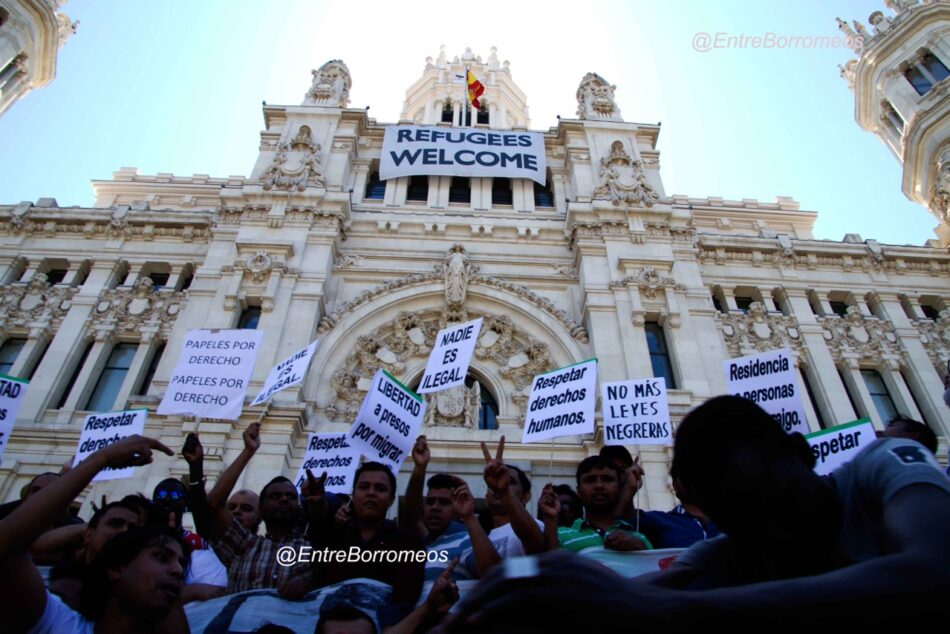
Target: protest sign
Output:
[(835, 446), (450, 356), (12, 391), (333, 454), (410, 150), (290, 371), (388, 421), (769, 380), (562, 402), (102, 430), (636, 413), (212, 374)]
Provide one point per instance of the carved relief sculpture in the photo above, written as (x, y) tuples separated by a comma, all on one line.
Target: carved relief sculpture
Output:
[(301, 172), (331, 86), (595, 99), (940, 193), (457, 272), (622, 180)]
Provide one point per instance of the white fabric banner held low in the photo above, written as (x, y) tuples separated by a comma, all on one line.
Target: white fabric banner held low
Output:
[(835, 446), (411, 150), (450, 356), (388, 421), (102, 430), (212, 374), (288, 372), (769, 380), (12, 391), (636, 412), (333, 454), (562, 402)]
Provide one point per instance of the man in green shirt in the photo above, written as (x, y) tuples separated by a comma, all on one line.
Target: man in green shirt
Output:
[(598, 485)]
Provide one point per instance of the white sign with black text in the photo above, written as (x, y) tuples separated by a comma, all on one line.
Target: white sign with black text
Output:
[(330, 453), (288, 372), (835, 446), (12, 391), (101, 430), (562, 402), (388, 421), (450, 356), (769, 380), (636, 412), (212, 374)]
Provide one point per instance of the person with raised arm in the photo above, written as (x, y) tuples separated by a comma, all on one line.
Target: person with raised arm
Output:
[(515, 532)]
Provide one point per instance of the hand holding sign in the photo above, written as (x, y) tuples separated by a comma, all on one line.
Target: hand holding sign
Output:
[(496, 475), (420, 452), (132, 451), (252, 437)]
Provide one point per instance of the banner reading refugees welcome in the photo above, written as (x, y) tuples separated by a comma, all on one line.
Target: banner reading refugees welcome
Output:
[(410, 150)]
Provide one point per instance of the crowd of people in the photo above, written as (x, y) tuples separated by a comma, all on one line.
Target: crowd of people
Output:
[(772, 545)]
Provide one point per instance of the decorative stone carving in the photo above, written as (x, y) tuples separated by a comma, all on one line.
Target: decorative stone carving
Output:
[(297, 174), (23, 306), (331, 86), (595, 99), (137, 308), (455, 407), (855, 334), (259, 266), (347, 260), (935, 337), (649, 281), (759, 331), (522, 367), (622, 180), (457, 272), (847, 72), (940, 192)]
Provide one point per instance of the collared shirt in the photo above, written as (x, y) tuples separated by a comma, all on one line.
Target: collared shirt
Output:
[(583, 535), (676, 528), (453, 541), (251, 560)]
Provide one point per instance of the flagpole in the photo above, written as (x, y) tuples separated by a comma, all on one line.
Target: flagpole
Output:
[(464, 97)]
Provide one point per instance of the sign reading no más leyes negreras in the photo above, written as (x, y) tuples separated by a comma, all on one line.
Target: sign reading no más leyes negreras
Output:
[(410, 150)]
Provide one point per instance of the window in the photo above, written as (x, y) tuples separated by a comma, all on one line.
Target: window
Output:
[(659, 353), (447, 113), (488, 408), (158, 280), (743, 302), (418, 188), (930, 312), (501, 191), (55, 276), (460, 191), (917, 79), (879, 394), (839, 308), (482, 115), (10, 350), (72, 380), (543, 196), (110, 381), (375, 188), (152, 367), (935, 67), (249, 318)]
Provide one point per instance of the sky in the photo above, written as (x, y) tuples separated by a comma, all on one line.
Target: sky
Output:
[(176, 86)]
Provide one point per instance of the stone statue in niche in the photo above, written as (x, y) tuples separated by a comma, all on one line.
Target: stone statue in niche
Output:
[(595, 99), (455, 407), (457, 274), (622, 180), (331, 86)]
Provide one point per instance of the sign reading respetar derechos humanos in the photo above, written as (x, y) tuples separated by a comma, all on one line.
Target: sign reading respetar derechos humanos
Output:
[(411, 150)]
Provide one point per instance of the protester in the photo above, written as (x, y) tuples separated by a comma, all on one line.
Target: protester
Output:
[(514, 532), (681, 527), (631, 478), (437, 520), (903, 427), (867, 546), (598, 485), (64, 518), (137, 576), (572, 509), (244, 504), (251, 560)]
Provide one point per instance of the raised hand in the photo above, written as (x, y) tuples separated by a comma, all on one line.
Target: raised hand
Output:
[(192, 451), (462, 501), (496, 474), (132, 451), (420, 452), (548, 503), (444, 592), (342, 517), (252, 437), (313, 489)]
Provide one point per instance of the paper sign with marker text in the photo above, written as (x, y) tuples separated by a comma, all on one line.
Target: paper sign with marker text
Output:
[(835, 446), (12, 391), (101, 430), (636, 412), (562, 402), (388, 421), (770, 381), (333, 454), (450, 356), (288, 372)]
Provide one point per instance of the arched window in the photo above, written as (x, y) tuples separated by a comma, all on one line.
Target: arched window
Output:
[(447, 113), (488, 408)]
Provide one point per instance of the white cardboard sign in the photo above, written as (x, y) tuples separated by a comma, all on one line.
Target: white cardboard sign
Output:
[(835, 446), (212, 374), (102, 430), (12, 391), (333, 454), (769, 380), (562, 402), (450, 356), (388, 421), (288, 372), (636, 412)]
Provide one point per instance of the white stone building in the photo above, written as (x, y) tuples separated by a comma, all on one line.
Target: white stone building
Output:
[(599, 262)]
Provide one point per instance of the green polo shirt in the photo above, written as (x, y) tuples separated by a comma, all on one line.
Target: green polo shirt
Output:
[(583, 535)]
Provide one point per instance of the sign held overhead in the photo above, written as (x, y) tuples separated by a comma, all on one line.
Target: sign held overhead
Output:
[(450, 356)]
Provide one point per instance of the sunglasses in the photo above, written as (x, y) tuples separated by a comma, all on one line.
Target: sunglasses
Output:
[(169, 495)]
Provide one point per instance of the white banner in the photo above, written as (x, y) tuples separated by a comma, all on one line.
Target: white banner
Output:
[(562, 402), (333, 454), (102, 430), (450, 356), (410, 150), (290, 371), (212, 374), (769, 380), (835, 446), (12, 391), (388, 421), (636, 413)]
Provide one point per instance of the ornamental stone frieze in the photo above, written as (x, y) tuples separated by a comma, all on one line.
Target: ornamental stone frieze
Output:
[(622, 181), (759, 331), (856, 336), (23, 305), (649, 282), (262, 269), (935, 337), (142, 306), (112, 224), (295, 166)]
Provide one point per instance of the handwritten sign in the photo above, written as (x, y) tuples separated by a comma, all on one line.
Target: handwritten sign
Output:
[(835, 446), (12, 391), (101, 430), (769, 380), (562, 403), (450, 356), (333, 454), (388, 421), (288, 372), (636, 413)]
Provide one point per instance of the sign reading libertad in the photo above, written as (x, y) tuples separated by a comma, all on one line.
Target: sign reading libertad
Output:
[(410, 150)]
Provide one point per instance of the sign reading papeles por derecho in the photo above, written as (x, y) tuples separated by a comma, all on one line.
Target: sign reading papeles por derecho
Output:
[(411, 150)]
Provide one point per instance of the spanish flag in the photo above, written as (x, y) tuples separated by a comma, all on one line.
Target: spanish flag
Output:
[(475, 89)]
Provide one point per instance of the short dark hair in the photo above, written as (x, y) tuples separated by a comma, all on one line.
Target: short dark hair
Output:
[(277, 480), (921, 432), (565, 489), (137, 503), (590, 463), (376, 466), (522, 478), (120, 551), (617, 452), (341, 612), (441, 481)]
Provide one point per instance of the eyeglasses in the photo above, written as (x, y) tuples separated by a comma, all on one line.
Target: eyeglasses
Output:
[(165, 494)]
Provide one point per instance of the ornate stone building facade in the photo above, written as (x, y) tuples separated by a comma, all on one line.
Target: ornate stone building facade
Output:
[(599, 262)]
